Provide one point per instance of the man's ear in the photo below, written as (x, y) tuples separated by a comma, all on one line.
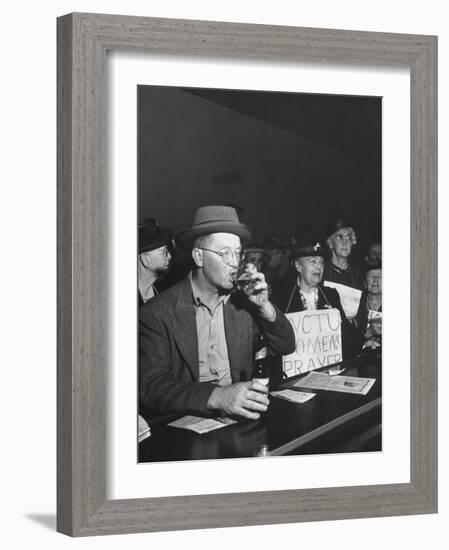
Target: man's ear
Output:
[(197, 256), (329, 243), (297, 265), (144, 260)]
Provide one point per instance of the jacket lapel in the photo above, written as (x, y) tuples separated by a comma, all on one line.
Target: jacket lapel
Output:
[(235, 340), (321, 302), (185, 328)]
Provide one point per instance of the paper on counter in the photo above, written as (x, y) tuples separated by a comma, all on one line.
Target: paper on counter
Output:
[(293, 396), (345, 384), (200, 425)]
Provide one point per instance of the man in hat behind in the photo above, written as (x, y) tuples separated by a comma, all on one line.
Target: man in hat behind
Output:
[(281, 273), (154, 260), (257, 255), (196, 338)]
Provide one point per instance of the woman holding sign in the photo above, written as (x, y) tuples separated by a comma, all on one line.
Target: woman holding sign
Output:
[(324, 335), (339, 272)]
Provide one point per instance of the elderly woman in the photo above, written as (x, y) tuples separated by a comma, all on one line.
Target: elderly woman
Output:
[(308, 292), (341, 238), (370, 314), (339, 272)]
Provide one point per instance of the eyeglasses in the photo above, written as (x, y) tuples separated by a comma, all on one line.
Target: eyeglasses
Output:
[(227, 255), (166, 251), (344, 237)]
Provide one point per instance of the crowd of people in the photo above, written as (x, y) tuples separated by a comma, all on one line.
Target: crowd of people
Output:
[(196, 336)]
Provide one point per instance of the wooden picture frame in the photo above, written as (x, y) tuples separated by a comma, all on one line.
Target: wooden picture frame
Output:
[(83, 40)]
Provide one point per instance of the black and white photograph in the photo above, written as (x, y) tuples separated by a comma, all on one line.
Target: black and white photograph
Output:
[(259, 273), (247, 170)]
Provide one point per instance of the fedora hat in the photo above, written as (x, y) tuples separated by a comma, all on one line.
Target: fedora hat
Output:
[(151, 236), (212, 219), (274, 242), (256, 248)]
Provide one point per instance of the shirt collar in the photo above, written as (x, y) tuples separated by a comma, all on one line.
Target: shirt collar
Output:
[(313, 292), (199, 297), (339, 269)]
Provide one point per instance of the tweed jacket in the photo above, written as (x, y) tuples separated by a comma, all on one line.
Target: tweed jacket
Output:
[(168, 348)]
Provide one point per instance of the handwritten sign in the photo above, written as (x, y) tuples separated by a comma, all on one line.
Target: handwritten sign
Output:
[(318, 341), (349, 297)]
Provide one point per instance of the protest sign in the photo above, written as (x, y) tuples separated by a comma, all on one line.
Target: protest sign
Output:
[(318, 341), (349, 297)]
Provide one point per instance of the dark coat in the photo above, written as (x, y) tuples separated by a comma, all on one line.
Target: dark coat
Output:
[(352, 277), (168, 360), (362, 318), (157, 287)]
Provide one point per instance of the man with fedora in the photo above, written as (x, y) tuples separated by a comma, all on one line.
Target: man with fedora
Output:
[(196, 338), (154, 260)]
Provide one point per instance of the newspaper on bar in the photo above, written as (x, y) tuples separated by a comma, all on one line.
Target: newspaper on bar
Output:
[(317, 338), (345, 384), (349, 297)]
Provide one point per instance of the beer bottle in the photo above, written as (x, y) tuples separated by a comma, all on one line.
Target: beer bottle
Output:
[(261, 370)]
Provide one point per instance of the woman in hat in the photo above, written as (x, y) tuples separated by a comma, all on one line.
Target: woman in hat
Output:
[(341, 238), (308, 292), (339, 270)]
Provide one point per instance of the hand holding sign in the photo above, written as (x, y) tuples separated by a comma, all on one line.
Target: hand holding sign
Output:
[(349, 297)]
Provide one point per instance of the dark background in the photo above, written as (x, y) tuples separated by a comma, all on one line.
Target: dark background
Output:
[(285, 160)]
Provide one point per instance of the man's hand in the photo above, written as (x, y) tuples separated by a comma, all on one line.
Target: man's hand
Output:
[(247, 399), (258, 294), (374, 328), (372, 344)]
